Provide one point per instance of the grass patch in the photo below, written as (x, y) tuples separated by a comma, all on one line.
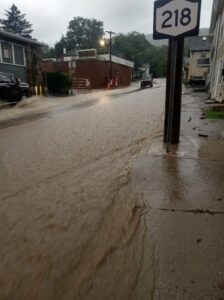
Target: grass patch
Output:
[(211, 114)]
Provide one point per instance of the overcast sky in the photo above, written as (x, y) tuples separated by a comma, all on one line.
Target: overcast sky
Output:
[(50, 18)]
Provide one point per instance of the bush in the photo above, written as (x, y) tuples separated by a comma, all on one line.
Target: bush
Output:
[(59, 83), (211, 114)]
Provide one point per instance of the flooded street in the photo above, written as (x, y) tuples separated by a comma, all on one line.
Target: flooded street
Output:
[(92, 206), (70, 221), (112, 150)]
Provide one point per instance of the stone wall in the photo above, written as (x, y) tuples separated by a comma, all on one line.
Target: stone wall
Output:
[(33, 64)]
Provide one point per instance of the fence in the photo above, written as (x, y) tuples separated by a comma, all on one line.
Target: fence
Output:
[(81, 84)]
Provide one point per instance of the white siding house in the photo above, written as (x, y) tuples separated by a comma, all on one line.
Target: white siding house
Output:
[(216, 76)]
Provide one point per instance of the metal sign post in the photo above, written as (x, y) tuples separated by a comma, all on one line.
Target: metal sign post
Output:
[(173, 67), (177, 93), (175, 19)]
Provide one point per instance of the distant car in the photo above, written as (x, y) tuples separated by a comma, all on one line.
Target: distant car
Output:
[(11, 89), (197, 81), (147, 80)]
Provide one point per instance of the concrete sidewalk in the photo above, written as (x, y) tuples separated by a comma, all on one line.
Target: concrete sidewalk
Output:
[(183, 200)]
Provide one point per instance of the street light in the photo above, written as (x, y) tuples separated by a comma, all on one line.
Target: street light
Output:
[(102, 42)]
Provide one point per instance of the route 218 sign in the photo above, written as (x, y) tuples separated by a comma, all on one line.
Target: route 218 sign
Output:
[(176, 18)]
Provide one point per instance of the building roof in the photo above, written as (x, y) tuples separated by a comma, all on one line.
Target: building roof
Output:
[(102, 57), (118, 60), (13, 36), (199, 43)]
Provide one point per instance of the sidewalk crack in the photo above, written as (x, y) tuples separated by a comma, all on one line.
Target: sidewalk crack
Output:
[(194, 211)]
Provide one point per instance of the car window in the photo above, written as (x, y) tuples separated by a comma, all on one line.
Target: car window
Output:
[(5, 79)]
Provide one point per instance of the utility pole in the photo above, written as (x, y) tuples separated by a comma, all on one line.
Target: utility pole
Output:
[(110, 55)]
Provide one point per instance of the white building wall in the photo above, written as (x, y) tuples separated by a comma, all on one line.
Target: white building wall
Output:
[(217, 62)]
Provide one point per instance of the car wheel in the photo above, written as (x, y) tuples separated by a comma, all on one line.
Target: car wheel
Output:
[(16, 96), (26, 94)]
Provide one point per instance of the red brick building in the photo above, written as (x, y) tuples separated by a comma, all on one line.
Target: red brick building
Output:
[(94, 68)]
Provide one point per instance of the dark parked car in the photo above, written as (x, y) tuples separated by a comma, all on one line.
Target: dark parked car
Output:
[(11, 89), (197, 81), (147, 81)]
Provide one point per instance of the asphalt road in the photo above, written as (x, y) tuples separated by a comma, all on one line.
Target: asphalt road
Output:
[(70, 223)]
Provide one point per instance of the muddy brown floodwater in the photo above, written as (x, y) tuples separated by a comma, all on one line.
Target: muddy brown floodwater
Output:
[(70, 223)]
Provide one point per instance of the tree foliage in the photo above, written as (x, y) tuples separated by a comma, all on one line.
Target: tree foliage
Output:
[(60, 46), (47, 52), (131, 44), (137, 48), (15, 22), (83, 33), (59, 83)]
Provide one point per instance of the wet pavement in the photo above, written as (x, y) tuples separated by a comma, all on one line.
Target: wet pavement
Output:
[(183, 200), (93, 208), (71, 226), (38, 107)]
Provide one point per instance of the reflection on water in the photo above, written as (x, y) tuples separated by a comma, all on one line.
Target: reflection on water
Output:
[(104, 100), (174, 182)]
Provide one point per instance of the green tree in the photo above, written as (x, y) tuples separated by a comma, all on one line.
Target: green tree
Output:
[(48, 52), (15, 22), (158, 61), (137, 48), (59, 46), (133, 45), (59, 83), (83, 33)]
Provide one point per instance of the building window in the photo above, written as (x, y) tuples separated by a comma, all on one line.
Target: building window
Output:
[(12, 54), (19, 55), (7, 53), (203, 61)]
